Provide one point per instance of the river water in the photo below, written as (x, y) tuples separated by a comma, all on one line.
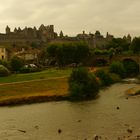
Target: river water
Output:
[(76, 120)]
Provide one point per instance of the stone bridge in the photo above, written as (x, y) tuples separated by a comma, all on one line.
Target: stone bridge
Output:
[(107, 60)]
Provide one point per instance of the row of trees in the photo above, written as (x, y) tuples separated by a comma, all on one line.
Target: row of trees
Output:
[(65, 53), (123, 45)]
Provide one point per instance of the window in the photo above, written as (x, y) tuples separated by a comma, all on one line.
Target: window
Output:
[(2, 57)]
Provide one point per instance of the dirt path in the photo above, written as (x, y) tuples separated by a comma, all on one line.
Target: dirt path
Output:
[(37, 80)]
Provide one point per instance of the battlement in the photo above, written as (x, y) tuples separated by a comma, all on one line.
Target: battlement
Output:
[(43, 33)]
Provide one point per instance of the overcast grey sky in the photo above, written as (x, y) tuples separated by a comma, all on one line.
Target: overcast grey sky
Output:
[(118, 17)]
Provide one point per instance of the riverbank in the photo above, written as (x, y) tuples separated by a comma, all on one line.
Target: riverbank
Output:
[(82, 120), (34, 91), (45, 86)]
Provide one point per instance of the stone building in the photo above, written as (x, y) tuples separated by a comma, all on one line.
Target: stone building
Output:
[(47, 34), (3, 53), (43, 33), (95, 40)]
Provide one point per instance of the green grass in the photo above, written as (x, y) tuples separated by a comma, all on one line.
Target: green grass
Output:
[(33, 91), (51, 84), (46, 74)]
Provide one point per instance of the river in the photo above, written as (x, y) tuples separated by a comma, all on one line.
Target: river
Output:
[(76, 120)]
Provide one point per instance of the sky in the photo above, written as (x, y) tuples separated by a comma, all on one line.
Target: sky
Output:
[(118, 17)]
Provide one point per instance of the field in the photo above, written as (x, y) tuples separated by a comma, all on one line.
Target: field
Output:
[(46, 74), (34, 87)]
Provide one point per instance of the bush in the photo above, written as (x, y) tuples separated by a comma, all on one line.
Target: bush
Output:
[(82, 84), (4, 71), (118, 68), (131, 67), (104, 77), (29, 69), (5, 63), (16, 63), (115, 77)]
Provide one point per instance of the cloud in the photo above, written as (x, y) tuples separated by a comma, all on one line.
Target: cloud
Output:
[(116, 16)]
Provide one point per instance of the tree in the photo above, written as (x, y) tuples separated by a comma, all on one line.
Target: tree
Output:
[(118, 44), (131, 67), (82, 51), (104, 77), (43, 57), (135, 45), (68, 52), (118, 68), (82, 84), (16, 63)]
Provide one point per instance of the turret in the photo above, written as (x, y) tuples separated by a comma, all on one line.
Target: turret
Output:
[(129, 38), (61, 34), (35, 32), (7, 30), (19, 29), (15, 30)]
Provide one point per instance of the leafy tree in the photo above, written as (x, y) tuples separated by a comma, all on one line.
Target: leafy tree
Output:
[(82, 84), (119, 44), (67, 53), (105, 78), (16, 63), (118, 68), (131, 67), (135, 45), (82, 51), (43, 57)]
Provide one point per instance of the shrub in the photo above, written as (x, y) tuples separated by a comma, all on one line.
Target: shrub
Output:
[(25, 70), (105, 77), (4, 71), (29, 69), (82, 84), (115, 77), (118, 68), (16, 63), (5, 63), (131, 67)]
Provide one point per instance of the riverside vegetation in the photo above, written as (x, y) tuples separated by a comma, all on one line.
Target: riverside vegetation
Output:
[(62, 83), (57, 84)]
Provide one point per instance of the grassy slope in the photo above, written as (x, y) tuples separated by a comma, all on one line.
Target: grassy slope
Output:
[(53, 84), (47, 74)]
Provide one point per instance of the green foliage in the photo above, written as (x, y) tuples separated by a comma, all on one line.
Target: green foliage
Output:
[(105, 77), (4, 71), (43, 57), (135, 45), (97, 51), (5, 63), (131, 67), (82, 84), (29, 70), (52, 49), (82, 51), (119, 44), (67, 53), (118, 68), (115, 77), (16, 63)]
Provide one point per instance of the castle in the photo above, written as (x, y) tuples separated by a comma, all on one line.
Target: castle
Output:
[(46, 34), (43, 33), (19, 39)]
